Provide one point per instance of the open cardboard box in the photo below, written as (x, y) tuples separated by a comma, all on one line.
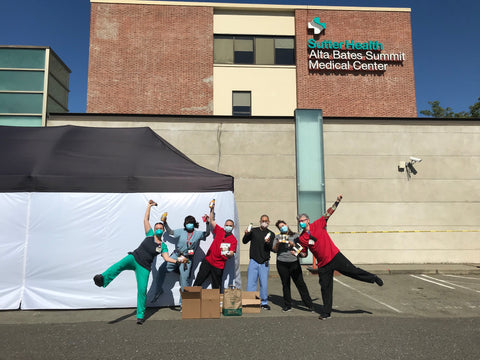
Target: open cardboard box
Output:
[(251, 302), (191, 302)]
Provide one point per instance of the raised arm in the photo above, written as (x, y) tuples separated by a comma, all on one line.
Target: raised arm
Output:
[(212, 217), (146, 218), (168, 229), (206, 233), (332, 209)]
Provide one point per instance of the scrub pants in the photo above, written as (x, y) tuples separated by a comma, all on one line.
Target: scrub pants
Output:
[(141, 274), (258, 272), (167, 267)]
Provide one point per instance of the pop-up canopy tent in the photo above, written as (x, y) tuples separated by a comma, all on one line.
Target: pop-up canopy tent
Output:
[(72, 202)]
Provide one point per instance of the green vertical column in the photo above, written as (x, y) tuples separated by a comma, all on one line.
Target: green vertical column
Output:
[(310, 165)]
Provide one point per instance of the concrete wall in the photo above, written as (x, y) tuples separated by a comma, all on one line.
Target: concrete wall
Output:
[(361, 159)]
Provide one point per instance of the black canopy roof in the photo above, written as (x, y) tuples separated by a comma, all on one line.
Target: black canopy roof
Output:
[(87, 159)]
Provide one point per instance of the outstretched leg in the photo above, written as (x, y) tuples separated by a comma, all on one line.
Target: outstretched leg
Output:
[(345, 267)]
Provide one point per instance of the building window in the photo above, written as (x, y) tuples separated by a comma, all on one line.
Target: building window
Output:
[(243, 50), (254, 50), (241, 103)]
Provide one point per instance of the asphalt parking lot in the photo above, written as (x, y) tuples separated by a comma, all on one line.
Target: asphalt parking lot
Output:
[(413, 316)]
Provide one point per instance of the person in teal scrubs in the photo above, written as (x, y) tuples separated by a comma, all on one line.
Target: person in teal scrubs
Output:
[(140, 260)]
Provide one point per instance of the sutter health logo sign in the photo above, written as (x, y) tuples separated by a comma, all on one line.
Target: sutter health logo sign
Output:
[(347, 55)]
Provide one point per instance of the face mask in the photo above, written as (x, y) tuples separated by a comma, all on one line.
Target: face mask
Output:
[(228, 228), (159, 232), (189, 227), (284, 229), (264, 225), (303, 225)]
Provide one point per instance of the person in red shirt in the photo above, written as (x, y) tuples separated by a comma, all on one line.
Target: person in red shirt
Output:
[(314, 236), (223, 247)]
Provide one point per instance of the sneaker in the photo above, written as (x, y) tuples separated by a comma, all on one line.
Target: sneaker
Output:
[(287, 308), (312, 270), (98, 279), (140, 321), (265, 307), (378, 281), (324, 316), (311, 309)]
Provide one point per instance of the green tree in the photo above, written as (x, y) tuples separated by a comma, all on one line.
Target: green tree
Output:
[(438, 112), (475, 109)]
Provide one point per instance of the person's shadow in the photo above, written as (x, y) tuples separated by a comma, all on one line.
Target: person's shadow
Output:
[(166, 297)]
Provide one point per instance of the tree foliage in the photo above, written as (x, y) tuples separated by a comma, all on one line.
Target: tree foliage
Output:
[(438, 112)]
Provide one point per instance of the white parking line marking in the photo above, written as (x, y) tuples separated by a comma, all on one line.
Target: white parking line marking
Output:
[(368, 296), (461, 277), (449, 283), (433, 282)]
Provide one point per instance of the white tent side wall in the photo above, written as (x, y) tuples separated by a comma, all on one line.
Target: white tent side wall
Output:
[(52, 244)]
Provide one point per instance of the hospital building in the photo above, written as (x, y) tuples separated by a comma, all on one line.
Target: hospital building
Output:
[(299, 103)]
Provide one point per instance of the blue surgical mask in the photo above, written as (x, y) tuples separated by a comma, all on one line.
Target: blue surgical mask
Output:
[(189, 227), (158, 232), (303, 225), (284, 229), (228, 228)]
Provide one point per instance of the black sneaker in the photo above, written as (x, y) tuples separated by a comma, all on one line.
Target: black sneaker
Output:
[(312, 270), (98, 279), (378, 281), (265, 307), (311, 309), (324, 316), (286, 308), (140, 321)]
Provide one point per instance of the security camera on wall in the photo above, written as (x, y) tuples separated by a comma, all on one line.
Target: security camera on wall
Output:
[(415, 159)]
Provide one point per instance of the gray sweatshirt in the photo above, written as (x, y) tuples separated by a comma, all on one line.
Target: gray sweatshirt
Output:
[(283, 252)]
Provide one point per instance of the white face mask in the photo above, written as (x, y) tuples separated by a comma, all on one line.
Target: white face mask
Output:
[(264, 225)]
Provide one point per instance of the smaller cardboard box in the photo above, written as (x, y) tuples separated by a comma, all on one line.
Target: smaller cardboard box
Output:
[(191, 302), (210, 303), (251, 302)]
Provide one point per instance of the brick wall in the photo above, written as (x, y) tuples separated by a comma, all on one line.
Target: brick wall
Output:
[(380, 94), (150, 59)]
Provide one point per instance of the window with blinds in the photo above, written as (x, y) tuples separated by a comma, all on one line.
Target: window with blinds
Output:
[(254, 50)]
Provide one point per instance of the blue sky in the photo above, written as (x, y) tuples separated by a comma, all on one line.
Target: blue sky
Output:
[(446, 42)]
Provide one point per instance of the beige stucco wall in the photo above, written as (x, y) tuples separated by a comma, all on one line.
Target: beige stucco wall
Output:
[(273, 88), (361, 158), (254, 22)]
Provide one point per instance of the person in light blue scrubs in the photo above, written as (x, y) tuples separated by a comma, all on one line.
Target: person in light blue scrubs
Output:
[(186, 243)]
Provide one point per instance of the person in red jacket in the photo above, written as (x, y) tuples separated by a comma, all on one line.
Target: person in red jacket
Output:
[(223, 247), (314, 236)]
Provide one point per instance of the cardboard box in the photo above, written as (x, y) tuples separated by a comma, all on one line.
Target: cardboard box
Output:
[(191, 302), (251, 302), (210, 303)]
